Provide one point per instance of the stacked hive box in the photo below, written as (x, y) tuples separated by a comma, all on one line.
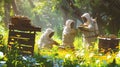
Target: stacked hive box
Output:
[(23, 33)]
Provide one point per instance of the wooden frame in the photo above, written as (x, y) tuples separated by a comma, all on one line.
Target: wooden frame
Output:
[(25, 38)]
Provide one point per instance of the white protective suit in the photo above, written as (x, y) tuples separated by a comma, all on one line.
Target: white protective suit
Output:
[(46, 40), (89, 30), (68, 34)]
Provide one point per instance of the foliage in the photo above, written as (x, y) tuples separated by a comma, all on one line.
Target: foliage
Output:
[(25, 9), (58, 57), (1, 10), (50, 17), (107, 12), (14, 58), (3, 37)]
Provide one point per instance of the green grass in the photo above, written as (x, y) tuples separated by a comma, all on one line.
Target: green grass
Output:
[(79, 57)]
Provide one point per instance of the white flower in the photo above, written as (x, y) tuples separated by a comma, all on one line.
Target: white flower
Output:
[(97, 61), (91, 54), (80, 53), (24, 58), (118, 55), (108, 57), (1, 55), (67, 55), (81, 63)]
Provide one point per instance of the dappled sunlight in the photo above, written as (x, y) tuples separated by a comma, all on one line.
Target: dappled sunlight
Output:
[(83, 57), (82, 33)]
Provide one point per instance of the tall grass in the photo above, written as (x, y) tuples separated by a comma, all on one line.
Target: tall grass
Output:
[(4, 39), (64, 57), (81, 57)]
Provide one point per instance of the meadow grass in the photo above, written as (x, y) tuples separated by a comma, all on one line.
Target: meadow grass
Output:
[(80, 56)]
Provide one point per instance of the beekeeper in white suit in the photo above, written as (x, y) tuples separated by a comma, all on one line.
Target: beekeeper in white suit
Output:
[(68, 34), (46, 40), (89, 30)]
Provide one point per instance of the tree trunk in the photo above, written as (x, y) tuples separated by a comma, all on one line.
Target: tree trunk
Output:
[(37, 17), (15, 9), (7, 13)]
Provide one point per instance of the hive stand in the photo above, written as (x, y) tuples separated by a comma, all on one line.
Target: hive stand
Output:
[(24, 37)]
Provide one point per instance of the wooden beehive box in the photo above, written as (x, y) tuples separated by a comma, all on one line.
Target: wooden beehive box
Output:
[(108, 44), (22, 32), (20, 21)]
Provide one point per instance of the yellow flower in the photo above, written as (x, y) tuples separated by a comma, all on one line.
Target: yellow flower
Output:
[(109, 48), (109, 56), (103, 58), (117, 46), (91, 54), (102, 50)]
